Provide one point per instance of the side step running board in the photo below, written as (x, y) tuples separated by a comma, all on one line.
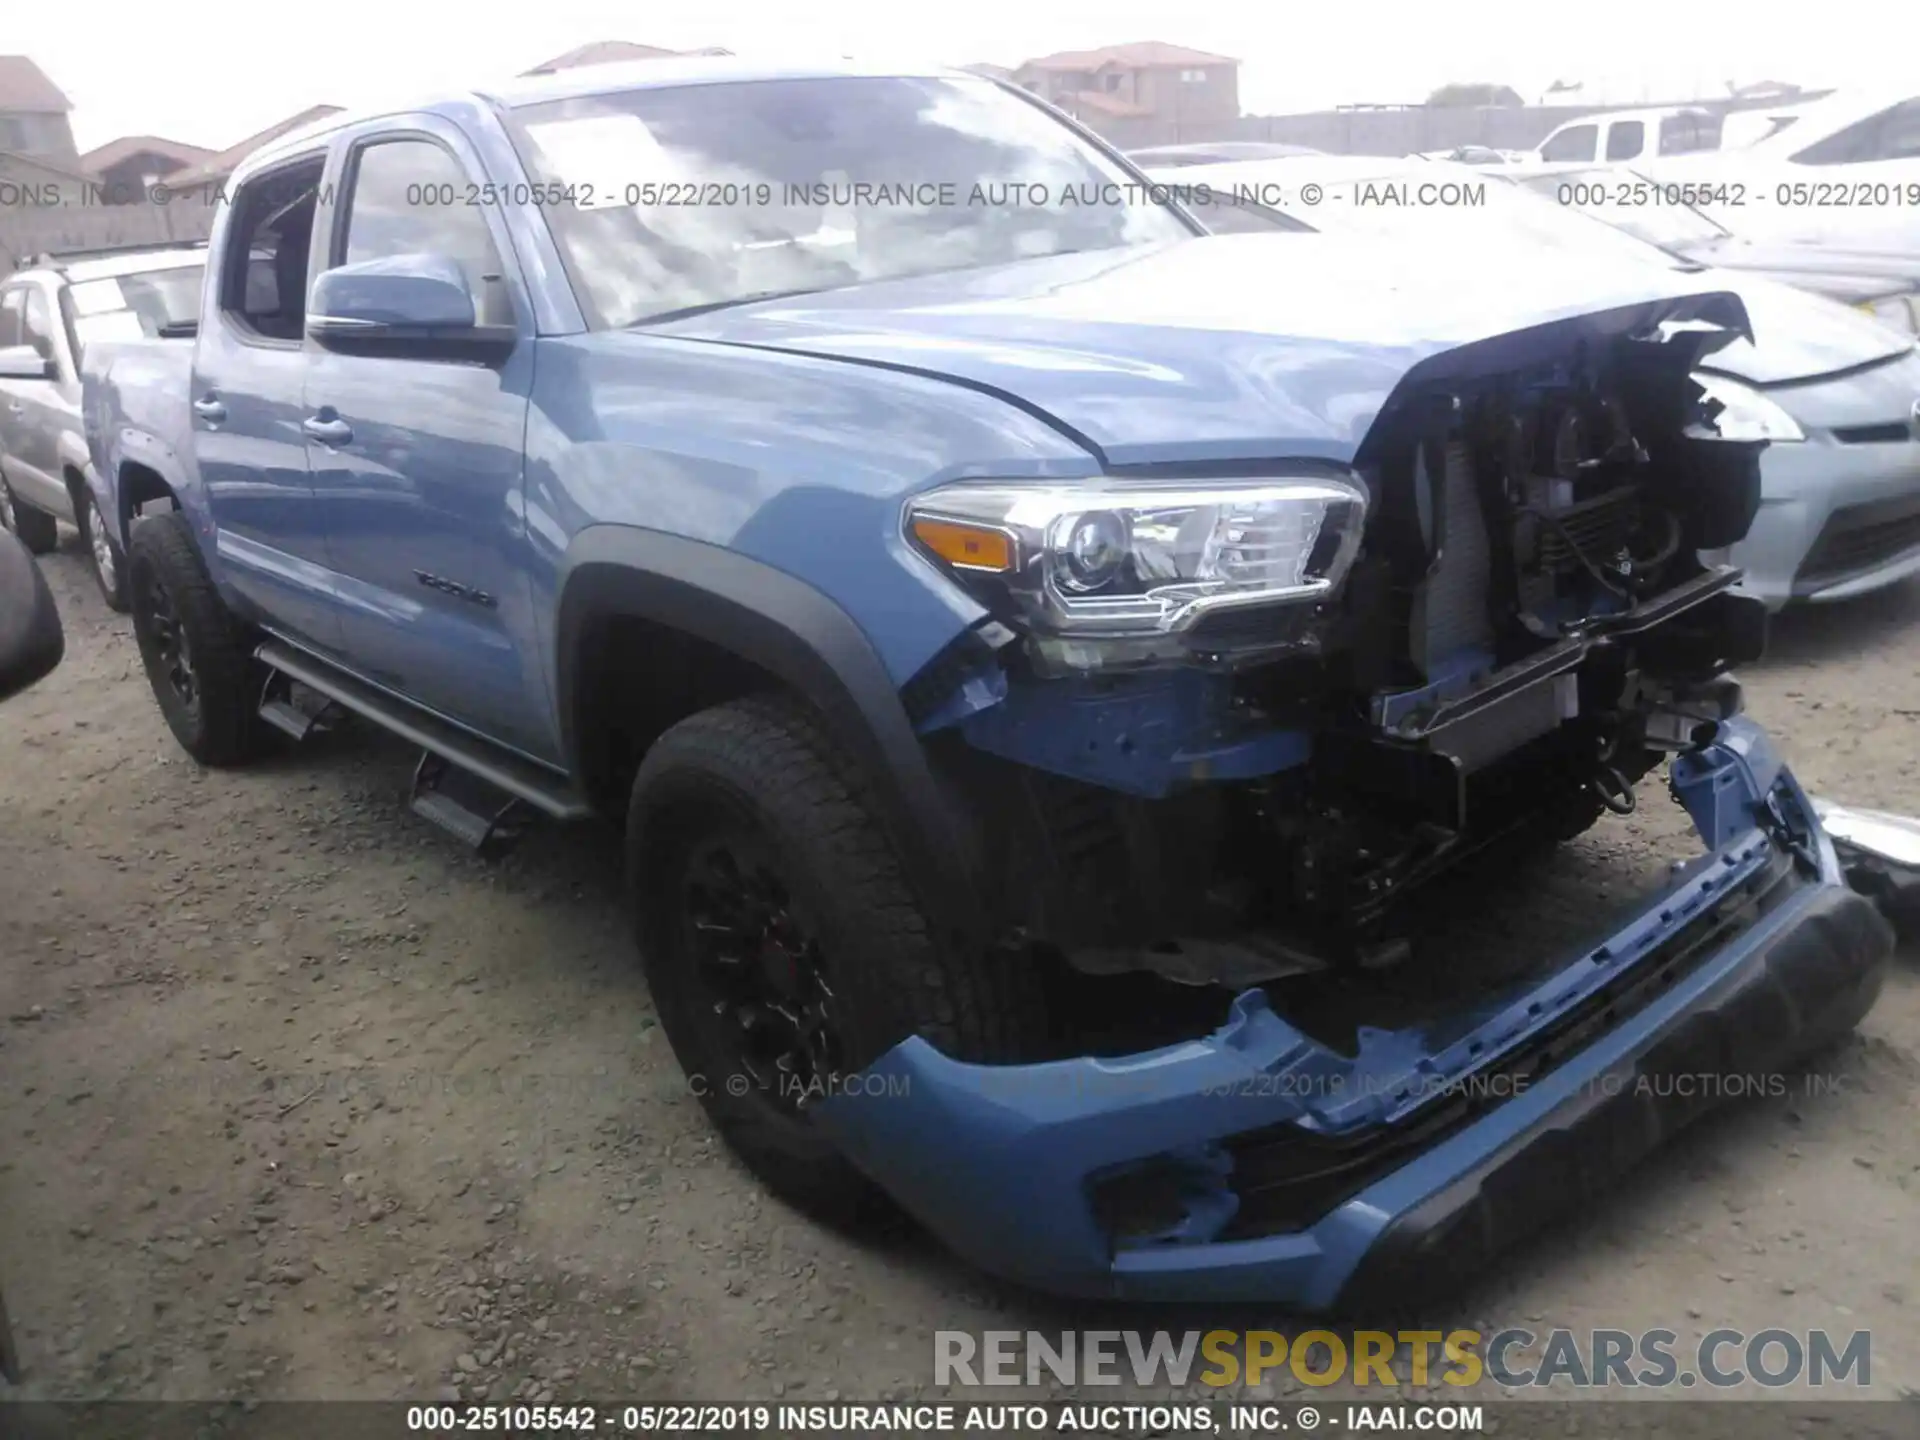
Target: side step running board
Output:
[(479, 815), (295, 713), (518, 778)]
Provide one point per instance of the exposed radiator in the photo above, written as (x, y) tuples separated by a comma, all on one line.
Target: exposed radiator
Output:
[(1450, 607)]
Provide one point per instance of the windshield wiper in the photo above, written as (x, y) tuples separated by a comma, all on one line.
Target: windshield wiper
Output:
[(687, 310)]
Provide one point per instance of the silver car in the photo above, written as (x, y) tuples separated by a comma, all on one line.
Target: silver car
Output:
[(1838, 396), (1836, 391), (49, 313), (1884, 282)]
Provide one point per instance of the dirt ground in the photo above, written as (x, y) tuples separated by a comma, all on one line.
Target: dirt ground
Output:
[(303, 1102)]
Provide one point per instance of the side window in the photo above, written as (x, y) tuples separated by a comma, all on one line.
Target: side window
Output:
[(1856, 142), (1574, 143), (263, 286), (1625, 139), (409, 197), (12, 303), (1688, 133), (1892, 134), (36, 323)]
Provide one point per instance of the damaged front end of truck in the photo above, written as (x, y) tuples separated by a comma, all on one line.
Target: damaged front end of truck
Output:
[(1231, 732)]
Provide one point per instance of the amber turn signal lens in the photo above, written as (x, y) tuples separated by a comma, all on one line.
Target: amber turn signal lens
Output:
[(973, 547)]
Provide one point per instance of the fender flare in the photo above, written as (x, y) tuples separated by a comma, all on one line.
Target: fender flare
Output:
[(803, 638)]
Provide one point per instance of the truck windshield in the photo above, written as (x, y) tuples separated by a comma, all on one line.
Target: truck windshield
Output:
[(127, 307), (686, 197)]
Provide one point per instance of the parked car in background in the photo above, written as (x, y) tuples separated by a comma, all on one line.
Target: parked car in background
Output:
[(1215, 152), (1846, 129), (1845, 170), (50, 313), (1473, 155), (1619, 137), (1742, 128), (1836, 392), (1885, 283)]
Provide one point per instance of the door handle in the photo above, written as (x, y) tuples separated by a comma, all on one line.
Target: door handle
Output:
[(327, 432), (210, 410)]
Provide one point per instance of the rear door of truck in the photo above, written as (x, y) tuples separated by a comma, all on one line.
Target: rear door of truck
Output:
[(249, 371)]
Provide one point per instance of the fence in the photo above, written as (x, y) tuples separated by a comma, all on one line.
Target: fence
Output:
[(26, 231), (1396, 129)]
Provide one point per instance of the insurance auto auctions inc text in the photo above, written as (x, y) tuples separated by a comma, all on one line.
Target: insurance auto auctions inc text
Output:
[(1514, 1358)]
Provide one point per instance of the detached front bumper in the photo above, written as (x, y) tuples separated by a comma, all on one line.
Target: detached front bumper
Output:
[(1257, 1164)]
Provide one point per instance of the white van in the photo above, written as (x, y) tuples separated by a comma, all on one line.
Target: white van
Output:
[(1620, 137)]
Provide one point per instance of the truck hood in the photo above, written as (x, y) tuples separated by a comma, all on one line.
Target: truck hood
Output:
[(1229, 347)]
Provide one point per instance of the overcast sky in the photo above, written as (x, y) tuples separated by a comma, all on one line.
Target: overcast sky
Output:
[(211, 72)]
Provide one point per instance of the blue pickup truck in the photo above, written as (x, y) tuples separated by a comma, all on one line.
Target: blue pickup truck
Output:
[(1048, 659)]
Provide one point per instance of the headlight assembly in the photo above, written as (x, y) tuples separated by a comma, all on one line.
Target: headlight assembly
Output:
[(1901, 312), (1108, 559), (1746, 414)]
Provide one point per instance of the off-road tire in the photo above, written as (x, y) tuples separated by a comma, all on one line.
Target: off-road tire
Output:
[(94, 530), (767, 762), (37, 530), (221, 726)]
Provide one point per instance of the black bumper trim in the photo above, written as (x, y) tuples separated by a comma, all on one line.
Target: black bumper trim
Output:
[(1813, 983)]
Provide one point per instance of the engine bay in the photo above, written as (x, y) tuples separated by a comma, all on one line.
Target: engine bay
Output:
[(1524, 634)]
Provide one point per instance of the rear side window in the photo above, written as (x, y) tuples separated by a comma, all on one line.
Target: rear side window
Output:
[(412, 197), (127, 306), (1626, 139), (1893, 134), (1576, 143), (1689, 133), (163, 297), (263, 286)]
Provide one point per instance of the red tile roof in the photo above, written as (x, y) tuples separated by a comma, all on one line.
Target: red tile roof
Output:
[(224, 164), (604, 52), (25, 88), (114, 151)]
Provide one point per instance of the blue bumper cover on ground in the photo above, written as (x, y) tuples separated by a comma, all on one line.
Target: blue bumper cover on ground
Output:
[(1455, 1145)]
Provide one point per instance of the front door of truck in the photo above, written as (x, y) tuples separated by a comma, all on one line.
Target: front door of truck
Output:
[(249, 368), (417, 462)]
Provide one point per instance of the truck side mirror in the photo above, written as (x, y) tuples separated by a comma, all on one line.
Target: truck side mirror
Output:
[(23, 362), (418, 305), (31, 640)]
